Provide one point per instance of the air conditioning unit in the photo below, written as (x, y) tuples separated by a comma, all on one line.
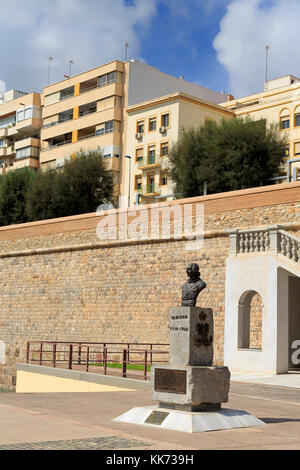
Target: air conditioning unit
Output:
[(162, 130), (138, 135)]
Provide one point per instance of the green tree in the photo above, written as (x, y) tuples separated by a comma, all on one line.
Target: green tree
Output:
[(13, 188), (41, 197), (234, 154), (80, 187)]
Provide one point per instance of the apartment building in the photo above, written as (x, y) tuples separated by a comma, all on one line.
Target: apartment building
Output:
[(88, 111), (20, 123), (153, 127), (279, 103)]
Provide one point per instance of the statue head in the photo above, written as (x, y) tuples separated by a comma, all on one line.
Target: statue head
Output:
[(193, 271)]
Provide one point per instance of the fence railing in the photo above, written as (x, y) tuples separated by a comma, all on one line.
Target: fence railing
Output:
[(106, 357), (271, 239)]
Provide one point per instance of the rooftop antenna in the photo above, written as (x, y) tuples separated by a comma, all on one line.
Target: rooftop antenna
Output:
[(267, 53), (126, 51), (50, 59), (71, 62)]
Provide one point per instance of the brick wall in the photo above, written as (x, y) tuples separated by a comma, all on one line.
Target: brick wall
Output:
[(59, 282)]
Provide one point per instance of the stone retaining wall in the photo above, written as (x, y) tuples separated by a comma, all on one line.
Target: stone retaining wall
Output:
[(60, 283)]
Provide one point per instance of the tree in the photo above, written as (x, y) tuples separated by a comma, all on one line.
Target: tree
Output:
[(13, 188), (80, 187), (41, 197), (234, 154)]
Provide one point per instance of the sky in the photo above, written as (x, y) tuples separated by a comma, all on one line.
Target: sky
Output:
[(218, 44)]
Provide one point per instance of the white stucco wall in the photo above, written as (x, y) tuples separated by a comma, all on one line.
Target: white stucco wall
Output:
[(260, 273), (146, 82)]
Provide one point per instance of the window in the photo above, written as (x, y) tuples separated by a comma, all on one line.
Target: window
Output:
[(66, 93), (284, 124), (297, 148), (152, 124), (8, 121), (139, 155), (284, 119), (164, 149), (2, 143), (105, 128), (297, 116), (163, 179), (138, 182), (27, 152), (25, 113), (165, 120), (151, 154), (106, 79), (140, 127)]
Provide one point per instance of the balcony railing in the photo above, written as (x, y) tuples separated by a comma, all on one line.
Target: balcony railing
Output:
[(84, 137), (150, 188), (149, 160)]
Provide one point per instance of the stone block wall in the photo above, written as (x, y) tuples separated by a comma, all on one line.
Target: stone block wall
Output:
[(60, 283)]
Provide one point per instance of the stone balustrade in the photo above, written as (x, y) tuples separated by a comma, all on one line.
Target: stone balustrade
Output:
[(271, 239)]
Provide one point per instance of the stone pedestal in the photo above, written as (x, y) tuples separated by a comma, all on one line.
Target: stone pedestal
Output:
[(190, 382), (190, 390)]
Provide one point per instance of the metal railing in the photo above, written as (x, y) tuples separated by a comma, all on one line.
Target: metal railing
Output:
[(96, 357), (152, 188)]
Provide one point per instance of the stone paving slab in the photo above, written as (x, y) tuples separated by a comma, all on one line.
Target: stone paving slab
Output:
[(97, 443)]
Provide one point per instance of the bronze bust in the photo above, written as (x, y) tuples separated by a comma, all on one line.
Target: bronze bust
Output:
[(192, 288)]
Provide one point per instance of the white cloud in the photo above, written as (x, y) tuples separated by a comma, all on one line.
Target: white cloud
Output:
[(91, 32), (247, 27)]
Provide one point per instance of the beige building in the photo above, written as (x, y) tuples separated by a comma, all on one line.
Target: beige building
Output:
[(20, 122), (153, 127), (279, 103)]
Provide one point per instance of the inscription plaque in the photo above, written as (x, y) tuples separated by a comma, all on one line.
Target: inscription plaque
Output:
[(156, 417), (170, 381)]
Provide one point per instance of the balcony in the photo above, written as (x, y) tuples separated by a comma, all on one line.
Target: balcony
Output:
[(29, 142), (3, 132), (10, 151), (87, 143), (29, 125), (151, 161), (150, 189), (112, 164), (28, 162), (2, 152), (12, 131)]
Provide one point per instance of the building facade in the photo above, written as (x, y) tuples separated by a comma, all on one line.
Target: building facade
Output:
[(279, 104), (133, 113), (20, 123), (153, 127)]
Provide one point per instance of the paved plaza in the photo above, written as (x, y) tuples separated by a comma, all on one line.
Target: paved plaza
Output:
[(85, 421)]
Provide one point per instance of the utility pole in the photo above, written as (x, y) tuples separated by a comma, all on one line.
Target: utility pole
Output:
[(50, 60)]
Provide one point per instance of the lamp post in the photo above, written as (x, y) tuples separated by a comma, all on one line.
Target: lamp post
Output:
[(129, 157)]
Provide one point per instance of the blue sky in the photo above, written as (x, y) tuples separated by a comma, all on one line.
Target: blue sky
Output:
[(219, 44), (180, 42)]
